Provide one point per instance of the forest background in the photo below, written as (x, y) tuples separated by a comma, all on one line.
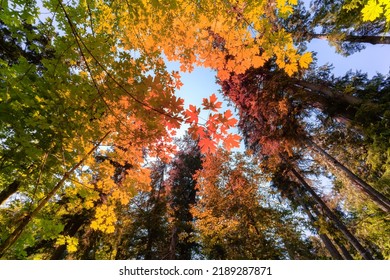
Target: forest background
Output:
[(91, 169)]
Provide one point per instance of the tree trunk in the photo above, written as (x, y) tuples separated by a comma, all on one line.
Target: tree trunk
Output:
[(344, 250), (26, 220), (346, 255), (9, 190), (376, 196), (374, 40), (327, 92), (350, 237), (172, 245), (324, 237)]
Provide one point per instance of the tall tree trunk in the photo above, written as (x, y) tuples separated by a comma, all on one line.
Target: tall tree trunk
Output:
[(350, 237), (374, 40), (344, 250), (324, 237), (377, 197), (346, 255), (90, 238), (27, 219), (173, 244), (9, 190), (327, 92)]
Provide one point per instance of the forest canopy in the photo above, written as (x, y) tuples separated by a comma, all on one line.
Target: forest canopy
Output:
[(90, 164)]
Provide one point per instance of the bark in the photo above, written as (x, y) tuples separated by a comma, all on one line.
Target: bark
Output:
[(29, 217), (344, 250), (348, 235), (377, 197), (330, 247), (90, 239), (374, 40), (173, 244), (324, 237), (9, 190), (328, 92), (346, 255)]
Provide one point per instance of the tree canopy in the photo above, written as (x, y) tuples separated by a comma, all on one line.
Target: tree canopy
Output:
[(90, 165)]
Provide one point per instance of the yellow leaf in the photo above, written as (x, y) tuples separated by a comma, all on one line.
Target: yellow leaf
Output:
[(372, 10), (72, 244), (61, 240), (305, 60), (291, 68), (258, 61)]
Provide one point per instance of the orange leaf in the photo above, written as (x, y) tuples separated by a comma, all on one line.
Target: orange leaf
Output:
[(212, 104), (207, 145), (228, 118), (192, 114), (213, 98), (232, 141)]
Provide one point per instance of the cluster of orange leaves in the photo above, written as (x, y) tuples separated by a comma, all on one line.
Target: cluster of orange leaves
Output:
[(216, 127)]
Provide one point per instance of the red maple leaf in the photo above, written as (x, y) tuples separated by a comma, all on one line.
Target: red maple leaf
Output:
[(232, 141), (192, 114), (228, 118), (212, 104), (207, 145)]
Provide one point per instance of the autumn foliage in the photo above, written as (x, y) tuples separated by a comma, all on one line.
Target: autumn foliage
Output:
[(91, 166)]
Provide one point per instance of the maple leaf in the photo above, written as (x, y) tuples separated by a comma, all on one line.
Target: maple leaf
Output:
[(232, 141), (211, 104), (305, 60), (192, 114), (290, 68), (228, 119), (207, 145), (172, 124), (213, 98), (372, 10)]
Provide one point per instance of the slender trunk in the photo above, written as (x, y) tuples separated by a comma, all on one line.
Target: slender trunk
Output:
[(344, 250), (324, 237), (350, 237), (151, 227), (9, 190), (328, 92), (374, 40), (26, 220), (149, 243), (377, 197), (330, 247), (90, 238), (172, 245)]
